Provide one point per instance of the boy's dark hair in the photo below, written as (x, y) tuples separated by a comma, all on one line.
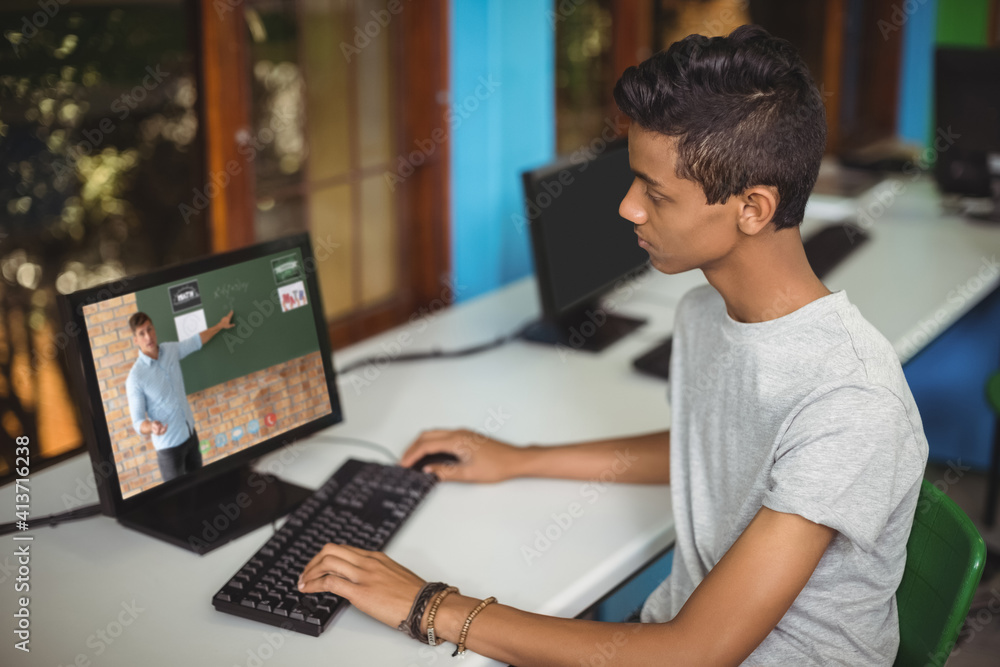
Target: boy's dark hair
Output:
[(137, 320), (745, 112)]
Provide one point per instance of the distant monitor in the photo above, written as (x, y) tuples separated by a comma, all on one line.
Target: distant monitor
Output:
[(217, 405), (582, 247), (967, 104)]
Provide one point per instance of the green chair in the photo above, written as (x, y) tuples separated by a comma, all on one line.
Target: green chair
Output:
[(993, 477), (945, 556)]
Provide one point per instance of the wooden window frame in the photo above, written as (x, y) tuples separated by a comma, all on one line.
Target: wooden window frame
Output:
[(420, 58)]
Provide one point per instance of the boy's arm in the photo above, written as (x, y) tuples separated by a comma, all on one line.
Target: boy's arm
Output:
[(640, 459), (725, 619)]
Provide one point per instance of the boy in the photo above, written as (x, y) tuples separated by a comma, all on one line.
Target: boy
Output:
[(796, 452)]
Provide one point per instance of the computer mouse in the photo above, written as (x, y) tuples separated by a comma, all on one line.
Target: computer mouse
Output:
[(433, 458)]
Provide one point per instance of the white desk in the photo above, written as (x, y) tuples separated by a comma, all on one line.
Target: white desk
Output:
[(470, 536), (83, 573)]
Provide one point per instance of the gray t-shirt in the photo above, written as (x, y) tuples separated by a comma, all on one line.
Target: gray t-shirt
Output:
[(807, 414)]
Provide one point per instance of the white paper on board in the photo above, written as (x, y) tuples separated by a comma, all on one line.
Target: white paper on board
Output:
[(190, 324)]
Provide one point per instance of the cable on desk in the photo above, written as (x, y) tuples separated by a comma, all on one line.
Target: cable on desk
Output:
[(436, 353), (361, 443), (346, 440), (53, 520)]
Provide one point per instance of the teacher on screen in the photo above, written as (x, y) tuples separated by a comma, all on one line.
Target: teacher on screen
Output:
[(157, 401)]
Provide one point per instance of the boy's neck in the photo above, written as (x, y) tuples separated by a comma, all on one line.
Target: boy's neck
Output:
[(766, 277)]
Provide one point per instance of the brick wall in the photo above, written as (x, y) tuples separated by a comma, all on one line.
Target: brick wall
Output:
[(294, 392)]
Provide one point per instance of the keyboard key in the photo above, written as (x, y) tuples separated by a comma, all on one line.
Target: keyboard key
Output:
[(362, 504)]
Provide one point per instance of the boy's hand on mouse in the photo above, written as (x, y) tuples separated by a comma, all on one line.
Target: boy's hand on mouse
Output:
[(480, 459)]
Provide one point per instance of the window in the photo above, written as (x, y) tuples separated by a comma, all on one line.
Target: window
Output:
[(99, 141)]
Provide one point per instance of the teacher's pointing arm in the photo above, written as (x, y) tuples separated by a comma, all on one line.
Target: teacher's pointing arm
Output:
[(224, 323)]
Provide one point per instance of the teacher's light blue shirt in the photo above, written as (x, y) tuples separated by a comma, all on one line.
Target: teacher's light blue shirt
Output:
[(155, 389)]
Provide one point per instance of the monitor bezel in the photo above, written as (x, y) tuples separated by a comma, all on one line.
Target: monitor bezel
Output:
[(949, 60), (79, 360), (532, 182)]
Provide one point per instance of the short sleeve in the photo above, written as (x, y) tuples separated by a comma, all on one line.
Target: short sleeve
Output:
[(846, 461), (189, 345)]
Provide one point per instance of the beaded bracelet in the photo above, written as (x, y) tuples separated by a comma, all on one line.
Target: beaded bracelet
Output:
[(460, 649), (432, 613), (411, 624)]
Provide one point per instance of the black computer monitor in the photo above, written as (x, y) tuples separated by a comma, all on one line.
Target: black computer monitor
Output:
[(967, 105), (582, 247), (250, 389)]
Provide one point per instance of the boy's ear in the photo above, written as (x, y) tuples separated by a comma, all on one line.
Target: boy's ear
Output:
[(757, 207)]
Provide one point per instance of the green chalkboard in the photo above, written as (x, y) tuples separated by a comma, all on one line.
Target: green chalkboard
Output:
[(258, 292)]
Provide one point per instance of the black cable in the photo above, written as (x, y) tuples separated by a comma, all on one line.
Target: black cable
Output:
[(53, 520), (361, 443), (435, 353)]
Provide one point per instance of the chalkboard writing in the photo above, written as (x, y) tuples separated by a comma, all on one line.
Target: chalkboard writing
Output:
[(265, 333)]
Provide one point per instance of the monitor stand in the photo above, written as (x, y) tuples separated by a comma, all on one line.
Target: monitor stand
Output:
[(589, 328), (216, 510)]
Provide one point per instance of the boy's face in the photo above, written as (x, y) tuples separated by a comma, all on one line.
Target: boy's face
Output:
[(672, 218)]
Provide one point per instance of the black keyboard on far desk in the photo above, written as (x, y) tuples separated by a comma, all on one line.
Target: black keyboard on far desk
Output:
[(825, 249), (362, 505)]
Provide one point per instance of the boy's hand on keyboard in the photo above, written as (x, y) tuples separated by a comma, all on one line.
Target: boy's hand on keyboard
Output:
[(370, 580), (481, 459)]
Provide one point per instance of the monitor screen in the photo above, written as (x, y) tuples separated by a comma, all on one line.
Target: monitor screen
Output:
[(581, 245), (967, 104), (174, 392)]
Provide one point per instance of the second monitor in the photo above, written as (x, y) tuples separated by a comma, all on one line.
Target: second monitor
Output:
[(582, 248)]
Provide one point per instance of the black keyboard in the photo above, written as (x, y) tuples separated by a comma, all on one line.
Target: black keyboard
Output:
[(362, 505), (831, 245), (655, 362)]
